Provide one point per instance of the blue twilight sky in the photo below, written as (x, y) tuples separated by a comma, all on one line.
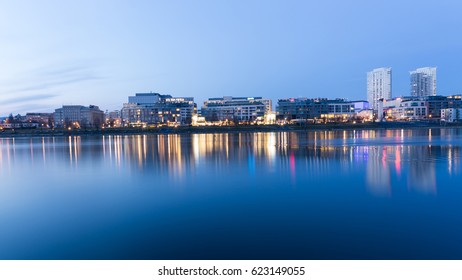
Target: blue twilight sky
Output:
[(99, 52)]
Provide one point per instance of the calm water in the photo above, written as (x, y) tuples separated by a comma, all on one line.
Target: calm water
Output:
[(392, 194)]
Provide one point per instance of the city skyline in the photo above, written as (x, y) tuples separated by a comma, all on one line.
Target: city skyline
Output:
[(382, 76), (98, 53)]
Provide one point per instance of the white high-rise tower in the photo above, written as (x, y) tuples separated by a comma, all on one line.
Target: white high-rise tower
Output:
[(378, 86), (423, 81)]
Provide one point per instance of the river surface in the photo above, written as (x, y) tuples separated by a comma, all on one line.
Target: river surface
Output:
[(385, 194)]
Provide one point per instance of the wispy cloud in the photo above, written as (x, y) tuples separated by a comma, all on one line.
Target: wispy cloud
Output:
[(50, 77), (51, 84), (28, 98), (41, 87), (64, 70)]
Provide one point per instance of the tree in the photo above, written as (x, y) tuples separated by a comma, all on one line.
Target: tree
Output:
[(97, 123), (66, 123), (50, 122), (10, 119)]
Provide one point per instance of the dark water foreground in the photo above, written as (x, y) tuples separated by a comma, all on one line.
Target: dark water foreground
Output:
[(387, 194)]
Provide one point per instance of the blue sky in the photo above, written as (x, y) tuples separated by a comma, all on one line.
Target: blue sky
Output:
[(99, 52)]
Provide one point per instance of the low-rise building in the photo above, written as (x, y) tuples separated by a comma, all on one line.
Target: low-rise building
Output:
[(236, 109), (78, 116), (437, 103), (43, 119), (420, 107), (406, 108), (451, 115), (318, 108), (156, 109)]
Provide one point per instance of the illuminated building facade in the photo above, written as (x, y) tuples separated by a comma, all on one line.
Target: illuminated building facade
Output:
[(237, 109), (419, 108), (437, 103), (316, 108), (406, 108), (157, 109)]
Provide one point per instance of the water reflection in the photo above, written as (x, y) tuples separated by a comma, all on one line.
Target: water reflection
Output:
[(279, 195), (377, 171), (384, 158)]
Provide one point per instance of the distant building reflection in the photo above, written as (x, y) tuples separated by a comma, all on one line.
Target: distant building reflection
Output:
[(417, 161), (385, 159), (378, 178), (422, 175)]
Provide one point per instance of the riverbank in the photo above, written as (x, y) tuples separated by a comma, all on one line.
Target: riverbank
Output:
[(222, 129)]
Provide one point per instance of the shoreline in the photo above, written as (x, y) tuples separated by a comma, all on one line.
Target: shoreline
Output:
[(26, 133)]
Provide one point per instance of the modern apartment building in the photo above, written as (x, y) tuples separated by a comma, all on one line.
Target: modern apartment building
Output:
[(406, 108), (315, 108), (237, 109), (423, 82), (378, 86), (438, 103), (418, 108), (154, 108), (451, 115)]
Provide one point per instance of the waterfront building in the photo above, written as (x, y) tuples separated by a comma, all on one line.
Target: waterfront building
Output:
[(236, 109), (378, 86), (19, 125), (291, 109), (301, 108), (423, 82), (419, 108), (451, 115), (78, 116), (437, 103), (42, 119), (406, 108), (30, 120), (156, 109)]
